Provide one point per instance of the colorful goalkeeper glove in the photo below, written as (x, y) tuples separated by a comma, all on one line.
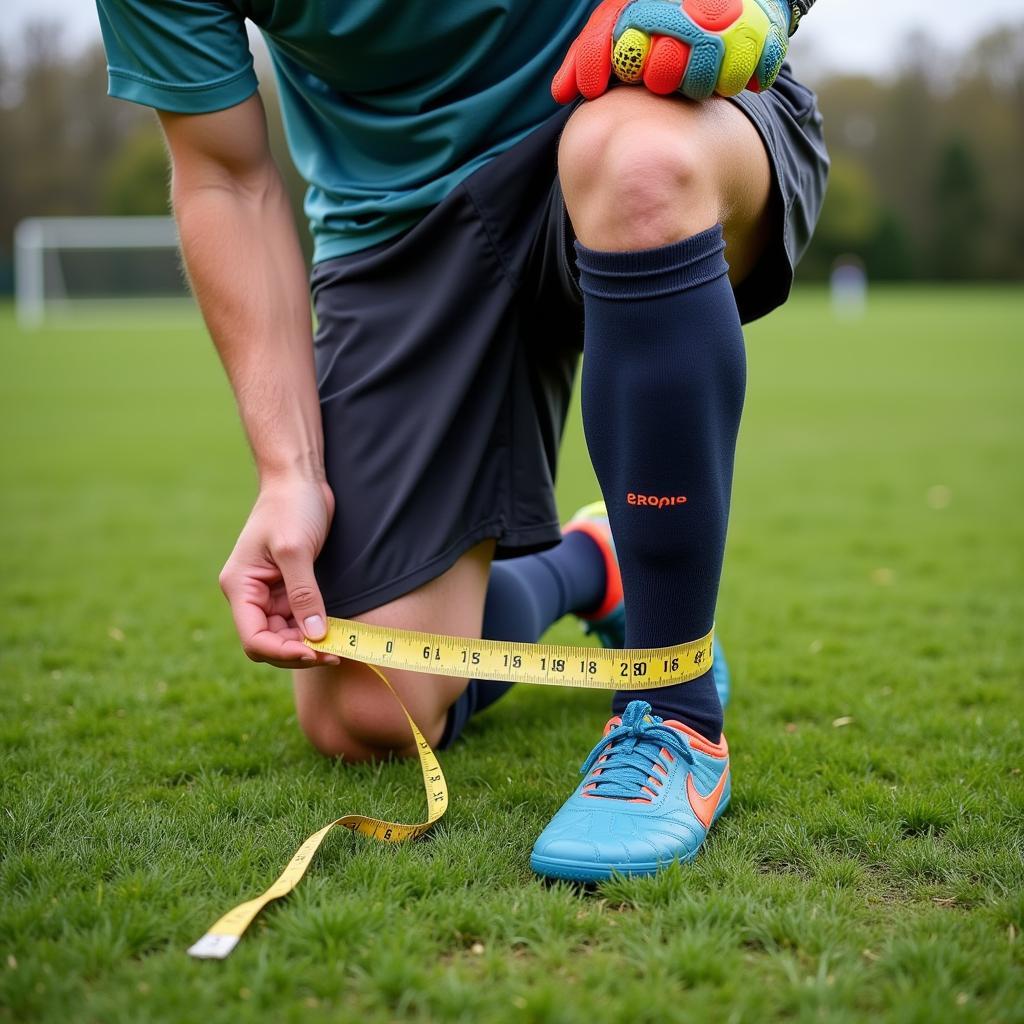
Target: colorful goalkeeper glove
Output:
[(696, 47)]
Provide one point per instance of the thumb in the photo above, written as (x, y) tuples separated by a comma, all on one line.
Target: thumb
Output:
[(304, 596)]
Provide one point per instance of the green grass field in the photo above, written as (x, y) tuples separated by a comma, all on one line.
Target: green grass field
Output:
[(871, 864)]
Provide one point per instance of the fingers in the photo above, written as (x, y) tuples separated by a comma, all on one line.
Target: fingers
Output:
[(266, 645), (277, 603), (725, 45), (630, 54), (563, 85), (744, 39), (284, 650), (593, 67), (738, 63), (698, 47), (666, 65), (756, 45), (284, 628), (307, 606), (266, 634), (772, 57), (594, 53), (587, 68)]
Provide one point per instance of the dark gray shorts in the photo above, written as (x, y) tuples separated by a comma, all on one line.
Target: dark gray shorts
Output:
[(445, 359)]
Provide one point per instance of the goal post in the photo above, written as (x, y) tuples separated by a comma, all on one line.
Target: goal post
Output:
[(67, 264)]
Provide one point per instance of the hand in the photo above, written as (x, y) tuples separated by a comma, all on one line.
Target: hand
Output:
[(269, 579), (696, 47)]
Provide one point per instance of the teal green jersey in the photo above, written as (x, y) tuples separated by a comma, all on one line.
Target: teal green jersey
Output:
[(388, 104)]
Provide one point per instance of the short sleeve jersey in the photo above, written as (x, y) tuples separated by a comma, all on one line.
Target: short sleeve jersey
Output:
[(388, 104)]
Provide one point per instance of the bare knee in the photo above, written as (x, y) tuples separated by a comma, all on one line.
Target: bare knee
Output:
[(345, 712), (351, 739), (334, 737), (632, 172)]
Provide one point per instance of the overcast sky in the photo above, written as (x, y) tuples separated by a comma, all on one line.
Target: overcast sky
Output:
[(847, 34)]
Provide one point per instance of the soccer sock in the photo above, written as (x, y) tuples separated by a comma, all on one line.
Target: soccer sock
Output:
[(664, 373), (525, 596)]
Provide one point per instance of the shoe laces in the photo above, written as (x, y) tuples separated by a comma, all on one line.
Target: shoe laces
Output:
[(632, 759)]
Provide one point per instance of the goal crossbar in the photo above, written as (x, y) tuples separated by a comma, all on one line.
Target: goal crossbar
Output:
[(35, 236)]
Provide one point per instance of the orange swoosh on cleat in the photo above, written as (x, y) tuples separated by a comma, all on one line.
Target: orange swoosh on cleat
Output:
[(705, 806)]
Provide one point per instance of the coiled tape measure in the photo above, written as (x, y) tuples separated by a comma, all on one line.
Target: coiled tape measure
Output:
[(383, 647)]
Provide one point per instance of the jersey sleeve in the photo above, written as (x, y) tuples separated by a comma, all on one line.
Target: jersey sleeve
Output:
[(185, 56)]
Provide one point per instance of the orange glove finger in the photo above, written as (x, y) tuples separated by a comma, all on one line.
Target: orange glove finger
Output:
[(587, 67), (666, 65), (594, 57), (563, 85)]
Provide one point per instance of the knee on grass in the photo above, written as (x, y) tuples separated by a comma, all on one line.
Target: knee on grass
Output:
[(633, 178), (357, 727)]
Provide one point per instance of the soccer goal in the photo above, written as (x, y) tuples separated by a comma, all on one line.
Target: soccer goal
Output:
[(73, 265)]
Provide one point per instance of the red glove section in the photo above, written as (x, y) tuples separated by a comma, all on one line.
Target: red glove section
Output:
[(587, 67), (666, 65)]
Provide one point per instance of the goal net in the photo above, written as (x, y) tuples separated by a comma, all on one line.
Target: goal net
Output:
[(70, 265)]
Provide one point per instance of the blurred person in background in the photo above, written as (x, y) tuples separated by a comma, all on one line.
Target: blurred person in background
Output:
[(484, 206)]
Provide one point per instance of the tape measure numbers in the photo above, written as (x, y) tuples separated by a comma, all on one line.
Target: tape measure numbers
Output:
[(590, 668), (379, 647)]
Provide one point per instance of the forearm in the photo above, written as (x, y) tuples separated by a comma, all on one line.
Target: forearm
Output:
[(247, 271)]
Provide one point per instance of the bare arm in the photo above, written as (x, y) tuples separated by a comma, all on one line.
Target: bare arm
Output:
[(247, 272)]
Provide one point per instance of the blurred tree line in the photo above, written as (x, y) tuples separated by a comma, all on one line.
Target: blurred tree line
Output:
[(66, 149), (927, 165), (926, 177)]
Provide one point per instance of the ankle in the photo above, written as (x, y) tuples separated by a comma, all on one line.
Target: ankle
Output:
[(695, 704)]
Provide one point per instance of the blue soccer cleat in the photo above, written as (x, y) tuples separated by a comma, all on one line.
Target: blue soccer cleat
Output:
[(608, 621), (650, 792)]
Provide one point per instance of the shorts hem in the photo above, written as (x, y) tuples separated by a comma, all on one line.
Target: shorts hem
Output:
[(765, 289), (511, 544), (528, 540)]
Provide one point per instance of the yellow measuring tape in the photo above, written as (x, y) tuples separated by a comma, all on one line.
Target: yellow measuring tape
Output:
[(590, 668)]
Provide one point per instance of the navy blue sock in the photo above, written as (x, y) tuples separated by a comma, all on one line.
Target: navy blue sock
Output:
[(524, 597), (664, 372)]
